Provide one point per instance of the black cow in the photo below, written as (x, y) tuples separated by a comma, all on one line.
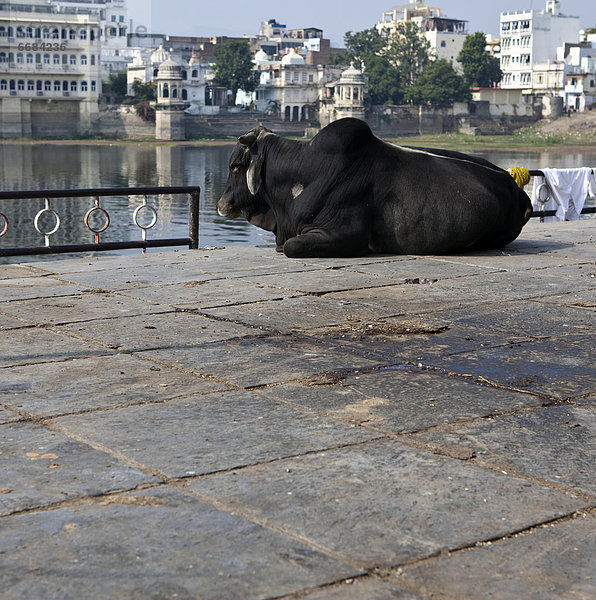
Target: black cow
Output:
[(346, 193)]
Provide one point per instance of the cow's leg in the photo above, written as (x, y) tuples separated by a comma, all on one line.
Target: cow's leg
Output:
[(321, 243)]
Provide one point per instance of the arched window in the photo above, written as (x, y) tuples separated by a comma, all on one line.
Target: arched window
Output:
[(83, 59), (20, 32), (3, 84), (72, 34), (83, 86), (21, 85), (38, 60), (29, 59), (46, 59), (55, 34), (3, 31), (39, 85), (195, 73), (56, 59), (83, 34), (57, 86), (64, 59), (166, 90), (93, 60), (47, 86), (12, 85), (73, 86), (20, 58), (184, 75), (46, 33), (3, 57), (174, 92), (93, 86), (73, 59), (184, 95), (29, 32), (64, 34), (92, 34), (65, 86), (30, 85)]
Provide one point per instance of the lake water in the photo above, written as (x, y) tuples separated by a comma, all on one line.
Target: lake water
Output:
[(49, 166)]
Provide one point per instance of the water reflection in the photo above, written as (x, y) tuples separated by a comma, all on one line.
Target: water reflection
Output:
[(49, 166)]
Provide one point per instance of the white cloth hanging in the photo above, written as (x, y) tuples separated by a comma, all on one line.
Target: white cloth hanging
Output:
[(563, 190)]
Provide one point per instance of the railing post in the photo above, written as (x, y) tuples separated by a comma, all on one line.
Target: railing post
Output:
[(193, 220)]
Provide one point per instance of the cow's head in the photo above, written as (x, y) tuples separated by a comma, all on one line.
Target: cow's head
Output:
[(244, 180)]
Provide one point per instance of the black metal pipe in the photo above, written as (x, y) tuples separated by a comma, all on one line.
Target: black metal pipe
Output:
[(101, 247), (193, 219), (81, 193)]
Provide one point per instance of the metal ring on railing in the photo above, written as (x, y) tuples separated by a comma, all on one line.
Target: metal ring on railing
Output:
[(5, 228), (47, 234), (101, 210), (138, 209)]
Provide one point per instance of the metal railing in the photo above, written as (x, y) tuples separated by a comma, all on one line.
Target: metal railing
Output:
[(97, 211), (551, 213)]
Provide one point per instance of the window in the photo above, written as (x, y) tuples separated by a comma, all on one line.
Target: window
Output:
[(73, 59), (72, 34), (3, 84), (443, 44), (121, 18), (113, 19), (57, 86), (64, 60), (3, 57), (93, 60), (83, 86), (55, 34), (21, 85), (65, 86), (46, 33), (3, 31), (83, 34), (31, 85), (38, 60), (20, 32), (56, 59), (83, 59), (29, 59), (47, 86), (93, 86), (46, 59), (195, 73), (20, 58), (73, 86), (29, 32)]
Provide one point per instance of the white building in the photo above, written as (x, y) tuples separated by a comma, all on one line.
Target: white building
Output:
[(113, 30), (532, 36), (195, 77), (579, 90), (289, 87), (446, 36), (48, 56)]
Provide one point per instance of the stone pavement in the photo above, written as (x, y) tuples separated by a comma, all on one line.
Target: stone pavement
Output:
[(233, 424)]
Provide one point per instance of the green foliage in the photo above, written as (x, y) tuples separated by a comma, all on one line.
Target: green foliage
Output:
[(439, 86), (383, 81), (408, 51), (117, 85), (362, 45), (233, 66), (143, 91), (480, 68)]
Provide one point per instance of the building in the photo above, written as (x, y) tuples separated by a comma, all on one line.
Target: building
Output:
[(291, 88), (446, 36), (113, 26), (344, 98), (532, 36), (50, 71), (579, 89)]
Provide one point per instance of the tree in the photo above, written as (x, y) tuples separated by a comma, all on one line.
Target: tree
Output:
[(480, 68), (117, 84), (383, 81), (408, 50), (439, 86), (143, 91), (233, 66), (362, 45)]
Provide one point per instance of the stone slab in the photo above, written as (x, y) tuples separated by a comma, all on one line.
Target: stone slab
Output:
[(559, 368), (260, 361), (298, 313), (556, 443), (33, 345), (197, 294), (45, 390), (550, 563), (7, 322), (171, 330), (42, 467), (366, 588), (8, 416), (530, 318), (35, 287), (383, 503), (402, 399), (85, 306), (8, 271), (584, 299), (217, 432), (156, 544)]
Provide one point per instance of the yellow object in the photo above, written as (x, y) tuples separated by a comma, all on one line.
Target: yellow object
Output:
[(521, 176)]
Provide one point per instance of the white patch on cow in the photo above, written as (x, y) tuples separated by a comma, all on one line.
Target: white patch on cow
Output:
[(297, 189)]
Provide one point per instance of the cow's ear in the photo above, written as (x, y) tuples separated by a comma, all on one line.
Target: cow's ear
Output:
[(249, 139), (253, 175)]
